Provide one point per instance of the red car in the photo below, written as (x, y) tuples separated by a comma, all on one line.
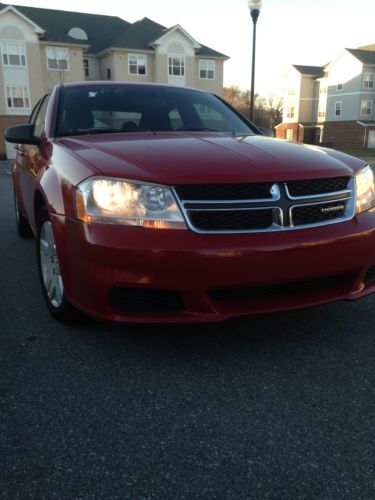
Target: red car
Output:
[(151, 203)]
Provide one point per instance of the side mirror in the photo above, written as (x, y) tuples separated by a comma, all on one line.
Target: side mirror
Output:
[(21, 134), (266, 131)]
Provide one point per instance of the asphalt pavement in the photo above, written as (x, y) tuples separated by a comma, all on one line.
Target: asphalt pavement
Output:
[(274, 406)]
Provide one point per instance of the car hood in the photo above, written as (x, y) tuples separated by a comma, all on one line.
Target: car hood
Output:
[(178, 158)]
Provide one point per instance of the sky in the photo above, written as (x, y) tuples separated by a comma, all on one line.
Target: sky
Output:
[(309, 32)]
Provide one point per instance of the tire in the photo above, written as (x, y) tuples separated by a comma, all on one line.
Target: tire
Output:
[(22, 224), (49, 271)]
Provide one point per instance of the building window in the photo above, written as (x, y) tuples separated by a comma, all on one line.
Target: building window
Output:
[(206, 69), (108, 73), (321, 112), (338, 108), (137, 64), (17, 97), (289, 134), (368, 81), (14, 54), (339, 86), (86, 68), (176, 66), (291, 92), (366, 107), (323, 90), (57, 58), (290, 112)]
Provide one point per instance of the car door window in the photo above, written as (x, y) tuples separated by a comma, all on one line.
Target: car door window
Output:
[(35, 111), (40, 118)]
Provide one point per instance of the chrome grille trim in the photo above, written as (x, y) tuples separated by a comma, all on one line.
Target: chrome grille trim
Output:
[(317, 196), (346, 196)]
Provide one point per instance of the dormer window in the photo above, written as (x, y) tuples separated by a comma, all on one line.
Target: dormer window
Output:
[(78, 34)]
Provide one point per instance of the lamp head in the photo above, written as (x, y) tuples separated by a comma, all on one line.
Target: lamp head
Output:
[(254, 4)]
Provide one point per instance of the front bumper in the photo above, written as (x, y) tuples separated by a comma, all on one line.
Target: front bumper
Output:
[(216, 276)]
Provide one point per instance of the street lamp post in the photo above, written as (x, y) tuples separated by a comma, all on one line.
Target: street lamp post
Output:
[(254, 8)]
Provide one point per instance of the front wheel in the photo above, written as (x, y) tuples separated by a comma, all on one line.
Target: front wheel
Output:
[(49, 271)]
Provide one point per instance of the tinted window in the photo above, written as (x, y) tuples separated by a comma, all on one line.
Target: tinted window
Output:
[(115, 108), (40, 118)]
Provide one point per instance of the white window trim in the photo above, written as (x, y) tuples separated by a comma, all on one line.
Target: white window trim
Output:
[(199, 69), (55, 47), (291, 113), (334, 111), (13, 109), (136, 56), (175, 56), (373, 80), (371, 107), (8, 42)]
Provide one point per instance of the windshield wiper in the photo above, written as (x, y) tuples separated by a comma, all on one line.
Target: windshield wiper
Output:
[(92, 131)]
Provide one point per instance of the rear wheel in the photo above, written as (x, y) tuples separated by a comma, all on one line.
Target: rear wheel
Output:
[(23, 227), (49, 271)]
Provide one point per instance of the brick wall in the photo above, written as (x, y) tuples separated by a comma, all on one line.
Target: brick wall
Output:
[(5, 122), (348, 134), (296, 134)]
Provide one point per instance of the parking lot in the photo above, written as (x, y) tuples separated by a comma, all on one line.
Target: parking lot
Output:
[(274, 406)]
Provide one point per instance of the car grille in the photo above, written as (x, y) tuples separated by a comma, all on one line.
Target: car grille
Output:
[(266, 206), (317, 186)]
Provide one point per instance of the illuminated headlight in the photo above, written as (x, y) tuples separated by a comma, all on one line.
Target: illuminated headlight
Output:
[(365, 189), (117, 201)]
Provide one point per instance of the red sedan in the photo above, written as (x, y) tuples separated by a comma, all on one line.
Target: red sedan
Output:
[(152, 203)]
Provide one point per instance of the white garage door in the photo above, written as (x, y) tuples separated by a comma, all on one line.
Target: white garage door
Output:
[(10, 151), (371, 139)]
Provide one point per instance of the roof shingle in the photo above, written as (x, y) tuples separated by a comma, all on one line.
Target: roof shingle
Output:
[(103, 32), (317, 71), (365, 56)]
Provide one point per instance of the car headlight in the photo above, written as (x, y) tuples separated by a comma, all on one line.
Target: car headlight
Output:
[(133, 203), (365, 189)]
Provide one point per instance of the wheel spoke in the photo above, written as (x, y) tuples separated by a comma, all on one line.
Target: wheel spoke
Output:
[(50, 266)]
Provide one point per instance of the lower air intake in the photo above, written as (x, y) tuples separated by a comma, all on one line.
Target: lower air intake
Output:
[(136, 300)]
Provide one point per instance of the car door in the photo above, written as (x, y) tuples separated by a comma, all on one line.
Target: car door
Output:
[(28, 159)]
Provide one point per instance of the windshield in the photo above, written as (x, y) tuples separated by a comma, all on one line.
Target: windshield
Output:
[(104, 108)]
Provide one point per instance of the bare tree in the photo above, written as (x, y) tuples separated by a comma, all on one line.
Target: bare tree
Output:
[(267, 111)]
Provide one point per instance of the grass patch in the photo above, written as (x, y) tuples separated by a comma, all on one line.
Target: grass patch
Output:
[(360, 153)]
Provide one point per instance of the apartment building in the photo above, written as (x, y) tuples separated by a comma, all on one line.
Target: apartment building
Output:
[(332, 104), (41, 48)]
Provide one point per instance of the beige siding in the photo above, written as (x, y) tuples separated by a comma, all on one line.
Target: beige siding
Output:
[(215, 86), (306, 99), (121, 67), (190, 71), (55, 77), (35, 72), (161, 68)]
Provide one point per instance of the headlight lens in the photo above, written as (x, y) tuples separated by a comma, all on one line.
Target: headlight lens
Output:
[(118, 201), (365, 189)]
